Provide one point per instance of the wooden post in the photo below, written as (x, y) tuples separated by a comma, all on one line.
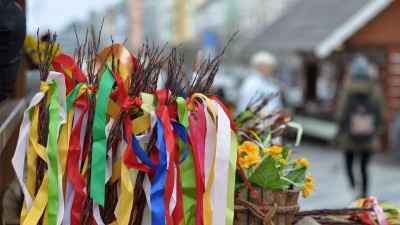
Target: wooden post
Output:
[(20, 85)]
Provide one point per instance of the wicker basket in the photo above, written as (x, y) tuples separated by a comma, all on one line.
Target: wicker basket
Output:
[(281, 207)]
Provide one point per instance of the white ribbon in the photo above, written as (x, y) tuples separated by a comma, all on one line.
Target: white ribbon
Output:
[(96, 214), (209, 146), (219, 191), (146, 219), (18, 160)]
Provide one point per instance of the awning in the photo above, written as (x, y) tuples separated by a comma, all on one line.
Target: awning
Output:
[(317, 26)]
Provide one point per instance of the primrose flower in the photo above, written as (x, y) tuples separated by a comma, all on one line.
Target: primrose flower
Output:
[(304, 162), (309, 178), (250, 148), (309, 186), (249, 160), (275, 150)]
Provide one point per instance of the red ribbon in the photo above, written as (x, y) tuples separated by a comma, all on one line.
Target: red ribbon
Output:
[(163, 113), (129, 102), (93, 88), (178, 213), (198, 132), (199, 186), (120, 84), (226, 112), (129, 156), (68, 62), (74, 153)]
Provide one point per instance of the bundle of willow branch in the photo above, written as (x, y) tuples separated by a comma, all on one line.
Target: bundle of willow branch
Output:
[(253, 120), (44, 63), (91, 48), (143, 79)]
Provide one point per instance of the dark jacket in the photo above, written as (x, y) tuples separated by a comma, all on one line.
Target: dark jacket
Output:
[(367, 86), (12, 31)]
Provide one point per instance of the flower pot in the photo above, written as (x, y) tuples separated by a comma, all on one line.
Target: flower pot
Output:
[(281, 207)]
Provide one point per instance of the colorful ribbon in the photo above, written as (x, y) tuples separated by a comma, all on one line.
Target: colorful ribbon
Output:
[(99, 152), (189, 172)]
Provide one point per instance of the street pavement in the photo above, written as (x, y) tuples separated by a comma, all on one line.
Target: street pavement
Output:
[(332, 187)]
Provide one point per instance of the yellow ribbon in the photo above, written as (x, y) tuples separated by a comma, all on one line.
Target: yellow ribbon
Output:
[(40, 200), (31, 163), (44, 87), (113, 108), (126, 195), (39, 204), (116, 170), (192, 106), (121, 53), (63, 145), (141, 124), (32, 157)]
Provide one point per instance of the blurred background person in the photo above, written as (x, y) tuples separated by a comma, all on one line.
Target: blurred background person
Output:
[(260, 82), (12, 35), (360, 114)]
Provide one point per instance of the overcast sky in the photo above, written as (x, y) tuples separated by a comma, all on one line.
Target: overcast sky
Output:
[(56, 14)]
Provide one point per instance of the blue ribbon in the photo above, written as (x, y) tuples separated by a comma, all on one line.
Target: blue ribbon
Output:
[(140, 153), (158, 187), (181, 130)]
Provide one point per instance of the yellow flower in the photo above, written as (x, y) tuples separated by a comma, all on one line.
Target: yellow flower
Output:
[(310, 178), (309, 186), (275, 149), (30, 47), (266, 151), (282, 161), (304, 162), (250, 148), (249, 160), (305, 193)]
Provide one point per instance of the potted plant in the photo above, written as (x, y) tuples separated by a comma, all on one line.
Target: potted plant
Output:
[(269, 179)]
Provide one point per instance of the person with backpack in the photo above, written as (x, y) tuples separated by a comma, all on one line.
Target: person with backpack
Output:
[(361, 117), (12, 36)]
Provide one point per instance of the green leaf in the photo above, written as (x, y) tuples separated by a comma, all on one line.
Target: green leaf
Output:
[(266, 175), (239, 178), (240, 139), (243, 117), (240, 185), (293, 176), (285, 151)]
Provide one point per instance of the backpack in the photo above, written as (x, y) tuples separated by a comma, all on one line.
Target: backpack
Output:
[(361, 119)]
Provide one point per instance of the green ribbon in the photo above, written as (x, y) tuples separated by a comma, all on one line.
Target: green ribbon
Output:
[(72, 97), (231, 180), (243, 117), (187, 170), (268, 138), (54, 108), (99, 150)]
